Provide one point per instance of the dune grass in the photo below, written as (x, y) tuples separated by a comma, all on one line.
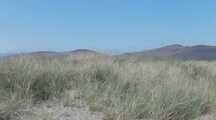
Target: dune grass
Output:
[(121, 88)]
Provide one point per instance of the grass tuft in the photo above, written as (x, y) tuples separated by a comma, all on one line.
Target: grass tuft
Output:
[(120, 88)]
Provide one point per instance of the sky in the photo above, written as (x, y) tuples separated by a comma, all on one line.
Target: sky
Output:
[(104, 25)]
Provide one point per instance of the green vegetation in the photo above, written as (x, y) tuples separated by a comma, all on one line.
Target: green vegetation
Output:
[(120, 88)]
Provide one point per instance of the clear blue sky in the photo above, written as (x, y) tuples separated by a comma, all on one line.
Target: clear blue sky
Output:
[(106, 25)]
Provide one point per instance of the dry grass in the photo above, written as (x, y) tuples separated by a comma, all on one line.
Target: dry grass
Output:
[(121, 88)]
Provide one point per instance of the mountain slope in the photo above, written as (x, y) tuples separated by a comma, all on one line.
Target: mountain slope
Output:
[(61, 54), (198, 52), (82, 51)]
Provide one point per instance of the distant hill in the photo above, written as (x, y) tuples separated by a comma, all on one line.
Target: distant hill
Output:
[(197, 52), (43, 53), (59, 54), (6, 55), (82, 51), (56, 54)]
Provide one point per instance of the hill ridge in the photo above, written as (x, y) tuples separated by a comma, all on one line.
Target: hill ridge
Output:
[(195, 52)]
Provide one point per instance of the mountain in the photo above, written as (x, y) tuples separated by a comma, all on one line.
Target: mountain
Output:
[(82, 51), (197, 52), (44, 53), (53, 54), (4, 55)]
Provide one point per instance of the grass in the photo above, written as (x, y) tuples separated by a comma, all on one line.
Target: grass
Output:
[(121, 88)]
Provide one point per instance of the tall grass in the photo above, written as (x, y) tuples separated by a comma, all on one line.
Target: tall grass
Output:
[(121, 88)]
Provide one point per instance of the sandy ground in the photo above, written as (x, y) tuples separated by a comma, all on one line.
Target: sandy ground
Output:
[(57, 111), (207, 117), (48, 111)]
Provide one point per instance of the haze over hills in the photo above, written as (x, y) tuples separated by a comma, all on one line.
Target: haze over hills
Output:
[(82, 51), (53, 54), (197, 52)]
